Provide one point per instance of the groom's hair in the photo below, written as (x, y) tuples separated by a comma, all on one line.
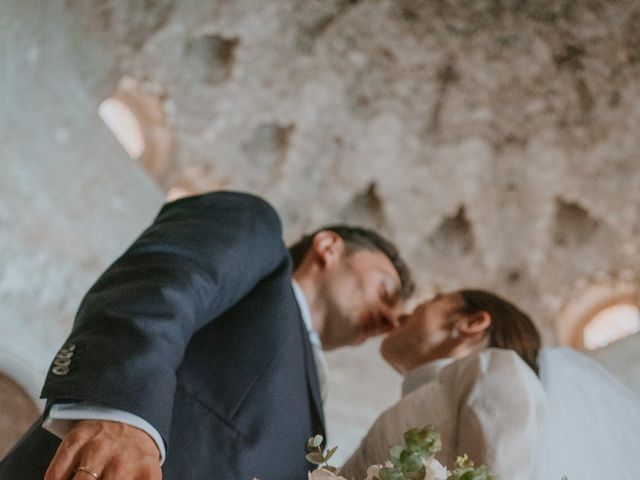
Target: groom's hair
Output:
[(510, 327), (358, 238)]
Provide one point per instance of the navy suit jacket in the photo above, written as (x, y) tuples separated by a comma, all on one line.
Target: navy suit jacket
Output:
[(196, 329)]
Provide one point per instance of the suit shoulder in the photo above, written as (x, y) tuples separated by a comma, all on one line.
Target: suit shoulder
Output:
[(223, 203), (234, 198)]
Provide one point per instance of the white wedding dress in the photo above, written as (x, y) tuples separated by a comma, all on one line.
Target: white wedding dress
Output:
[(592, 426)]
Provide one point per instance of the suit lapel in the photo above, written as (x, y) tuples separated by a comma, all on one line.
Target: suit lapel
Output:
[(312, 376)]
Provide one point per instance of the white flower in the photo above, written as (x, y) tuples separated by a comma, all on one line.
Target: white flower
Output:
[(322, 474), (373, 471), (434, 470)]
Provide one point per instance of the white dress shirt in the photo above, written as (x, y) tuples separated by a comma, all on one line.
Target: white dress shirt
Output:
[(62, 416), (322, 368), (489, 405)]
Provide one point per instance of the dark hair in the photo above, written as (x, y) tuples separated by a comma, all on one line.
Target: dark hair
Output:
[(358, 238), (510, 327)]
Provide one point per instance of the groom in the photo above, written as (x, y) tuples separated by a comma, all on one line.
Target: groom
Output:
[(192, 356)]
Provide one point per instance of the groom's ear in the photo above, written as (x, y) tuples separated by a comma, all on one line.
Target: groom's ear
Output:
[(328, 248), (474, 324)]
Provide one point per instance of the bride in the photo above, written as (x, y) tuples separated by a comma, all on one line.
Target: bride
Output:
[(471, 362)]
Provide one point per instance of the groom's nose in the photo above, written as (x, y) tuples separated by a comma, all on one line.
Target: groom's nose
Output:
[(395, 311), (386, 318)]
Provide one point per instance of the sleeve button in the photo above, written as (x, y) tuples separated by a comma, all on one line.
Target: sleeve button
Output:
[(60, 370)]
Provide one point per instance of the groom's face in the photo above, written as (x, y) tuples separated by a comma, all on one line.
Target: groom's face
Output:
[(362, 298)]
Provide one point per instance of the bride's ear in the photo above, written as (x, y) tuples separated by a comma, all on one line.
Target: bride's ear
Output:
[(474, 324)]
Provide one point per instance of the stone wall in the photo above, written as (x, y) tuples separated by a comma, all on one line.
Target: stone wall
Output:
[(494, 139)]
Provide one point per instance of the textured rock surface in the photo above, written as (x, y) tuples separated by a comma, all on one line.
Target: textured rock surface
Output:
[(494, 140)]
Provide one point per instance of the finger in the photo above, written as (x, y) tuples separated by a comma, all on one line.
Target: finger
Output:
[(116, 469), (93, 474), (94, 457), (145, 470), (64, 461), (86, 476)]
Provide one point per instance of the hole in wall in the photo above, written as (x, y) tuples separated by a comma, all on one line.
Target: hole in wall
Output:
[(212, 57), (454, 236), (611, 324), (574, 226), (599, 313), (366, 208), (266, 151)]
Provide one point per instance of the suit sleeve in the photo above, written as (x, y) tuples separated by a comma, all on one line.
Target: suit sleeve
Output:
[(199, 257), (501, 418)]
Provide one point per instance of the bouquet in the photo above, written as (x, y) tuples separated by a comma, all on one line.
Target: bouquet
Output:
[(413, 461)]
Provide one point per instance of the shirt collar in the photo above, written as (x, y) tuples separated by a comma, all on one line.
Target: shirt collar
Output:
[(322, 367), (306, 314), (423, 374)]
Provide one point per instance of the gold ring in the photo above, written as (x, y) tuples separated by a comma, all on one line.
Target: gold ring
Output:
[(89, 471)]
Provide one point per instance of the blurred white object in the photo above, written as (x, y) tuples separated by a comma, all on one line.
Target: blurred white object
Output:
[(592, 427)]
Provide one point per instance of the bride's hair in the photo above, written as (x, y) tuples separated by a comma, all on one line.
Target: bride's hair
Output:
[(510, 327)]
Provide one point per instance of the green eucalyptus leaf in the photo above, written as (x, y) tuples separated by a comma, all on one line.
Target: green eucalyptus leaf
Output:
[(469, 475), (394, 455), (390, 474), (436, 445), (412, 437), (410, 461), (484, 473), (317, 440), (330, 453), (464, 470), (415, 474), (426, 440), (463, 461), (412, 465), (315, 457), (310, 446)]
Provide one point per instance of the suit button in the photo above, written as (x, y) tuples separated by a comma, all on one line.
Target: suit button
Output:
[(71, 347), (60, 370), (64, 354), (62, 362)]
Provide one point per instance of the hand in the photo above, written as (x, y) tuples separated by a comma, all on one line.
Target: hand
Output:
[(115, 451)]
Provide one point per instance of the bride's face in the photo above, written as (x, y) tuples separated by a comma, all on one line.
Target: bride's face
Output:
[(424, 334)]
